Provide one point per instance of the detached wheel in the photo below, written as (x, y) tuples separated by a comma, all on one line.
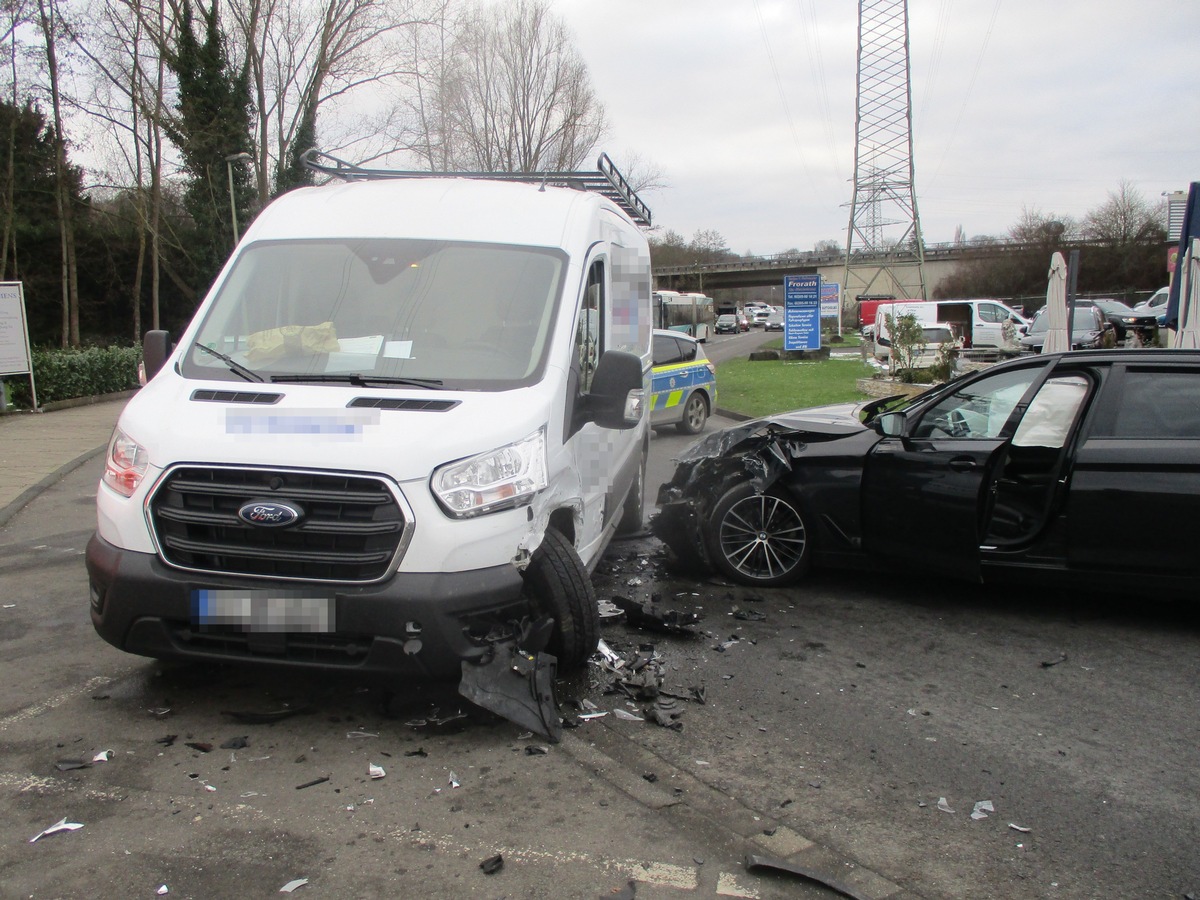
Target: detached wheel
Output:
[(558, 585), (758, 539), (695, 414)]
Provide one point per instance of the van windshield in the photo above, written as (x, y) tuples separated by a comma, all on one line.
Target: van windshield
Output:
[(409, 312)]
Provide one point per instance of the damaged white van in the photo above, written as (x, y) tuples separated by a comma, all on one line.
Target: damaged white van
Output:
[(405, 421)]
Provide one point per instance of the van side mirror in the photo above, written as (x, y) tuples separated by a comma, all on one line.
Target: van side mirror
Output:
[(617, 398), (890, 424), (156, 347)]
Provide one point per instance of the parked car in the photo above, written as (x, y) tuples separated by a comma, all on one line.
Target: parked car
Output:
[(1124, 319), (1045, 469), (774, 322), (684, 383), (1088, 328), (727, 324), (1157, 304)]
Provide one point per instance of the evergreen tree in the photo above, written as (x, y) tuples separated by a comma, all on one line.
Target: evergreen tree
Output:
[(212, 123)]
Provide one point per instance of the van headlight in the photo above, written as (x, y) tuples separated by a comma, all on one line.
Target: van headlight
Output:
[(503, 478), (125, 464)]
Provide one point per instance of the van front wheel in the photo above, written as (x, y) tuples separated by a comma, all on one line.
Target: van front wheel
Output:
[(557, 584)]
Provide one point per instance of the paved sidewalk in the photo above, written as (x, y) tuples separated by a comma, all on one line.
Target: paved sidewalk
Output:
[(37, 449)]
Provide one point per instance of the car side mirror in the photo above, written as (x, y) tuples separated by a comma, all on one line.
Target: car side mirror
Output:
[(890, 424), (617, 398), (156, 347)]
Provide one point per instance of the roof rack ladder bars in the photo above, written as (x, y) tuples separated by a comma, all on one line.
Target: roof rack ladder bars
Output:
[(606, 180)]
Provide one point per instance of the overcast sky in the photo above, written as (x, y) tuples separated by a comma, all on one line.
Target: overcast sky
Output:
[(747, 108)]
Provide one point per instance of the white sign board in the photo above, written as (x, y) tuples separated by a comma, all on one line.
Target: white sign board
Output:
[(14, 332)]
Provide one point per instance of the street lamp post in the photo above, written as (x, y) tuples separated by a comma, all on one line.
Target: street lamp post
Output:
[(229, 161)]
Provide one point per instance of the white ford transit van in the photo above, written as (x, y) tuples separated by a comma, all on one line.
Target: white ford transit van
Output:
[(408, 416), (977, 323)]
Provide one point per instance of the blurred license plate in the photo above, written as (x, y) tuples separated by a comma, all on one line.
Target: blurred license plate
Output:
[(279, 610)]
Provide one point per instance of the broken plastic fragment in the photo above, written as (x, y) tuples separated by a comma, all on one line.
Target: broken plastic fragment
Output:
[(453, 780), (517, 685), (376, 771), (313, 783), (292, 885), (627, 716), (60, 825), (492, 864), (1020, 828), (943, 805), (361, 734), (163, 890), (982, 808), (102, 756), (236, 743), (265, 718), (592, 715), (767, 862), (66, 765), (202, 746)]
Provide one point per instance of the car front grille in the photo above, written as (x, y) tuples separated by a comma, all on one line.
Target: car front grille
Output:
[(349, 530)]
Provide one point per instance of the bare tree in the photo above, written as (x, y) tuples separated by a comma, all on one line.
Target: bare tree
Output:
[(15, 16), (51, 25), (514, 94), (1127, 217)]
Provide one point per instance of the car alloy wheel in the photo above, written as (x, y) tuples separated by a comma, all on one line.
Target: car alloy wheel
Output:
[(695, 414), (758, 539)]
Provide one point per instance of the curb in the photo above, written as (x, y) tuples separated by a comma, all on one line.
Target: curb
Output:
[(71, 403), (29, 494)]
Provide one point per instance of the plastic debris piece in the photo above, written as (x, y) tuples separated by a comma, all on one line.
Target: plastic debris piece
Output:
[(609, 655), (361, 734), (592, 715), (626, 716), (163, 890), (167, 740), (982, 808), (60, 825), (160, 712), (202, 746), (536, 750), (102, 756), (376, 771), (66, 765), (236, 743), (292, 885), (1021, 828), (943, 805), (313, 783), (254, 717), (652, 616), (492, 864), (453, 780), (609, 611), (769, 862), (208, 787), (420, 751), (1046, 664), (750, 615), (517, 684)]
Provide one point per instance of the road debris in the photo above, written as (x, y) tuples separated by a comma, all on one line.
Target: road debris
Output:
[(163, 890), (1020, 828), (236, 743), (60, 825), (292, 885), (982, 808), (313, 783), (102, 756), (66, 765), (654, 617), (492, 864), (515, 679), (943, 805), (1062, 658), (202, 746), (259, 717), (626, 716), (376, 771), (453, 780), (754, 861)]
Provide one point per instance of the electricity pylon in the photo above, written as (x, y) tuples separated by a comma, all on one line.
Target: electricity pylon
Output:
[(885, 253)]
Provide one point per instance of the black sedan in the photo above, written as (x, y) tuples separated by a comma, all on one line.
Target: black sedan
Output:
[(1125, 319), (1088, 330), (1076, 469)]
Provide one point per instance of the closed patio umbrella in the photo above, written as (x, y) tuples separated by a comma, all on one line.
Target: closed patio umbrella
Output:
[(1058, 338), (1188, 335), (1190, 229)]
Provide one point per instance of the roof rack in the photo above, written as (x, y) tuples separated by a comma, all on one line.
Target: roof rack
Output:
[(605, 180)]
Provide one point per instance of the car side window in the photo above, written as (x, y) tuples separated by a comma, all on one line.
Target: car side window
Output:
[(989, 312), (978, 410), (687, 350), (666, 350), (1051, 413), (588, 334), (1158, 404)]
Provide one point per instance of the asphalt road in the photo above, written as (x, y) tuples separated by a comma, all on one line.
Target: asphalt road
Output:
[(836, 716)]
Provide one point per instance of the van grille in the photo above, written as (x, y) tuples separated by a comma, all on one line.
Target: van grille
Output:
[(350, 529)]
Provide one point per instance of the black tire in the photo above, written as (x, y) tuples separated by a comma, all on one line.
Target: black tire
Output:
[(558, 585), (633, 512), (695, 414), (758, 539)]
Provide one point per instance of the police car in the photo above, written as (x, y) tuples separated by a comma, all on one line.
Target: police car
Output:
[(684, 390)]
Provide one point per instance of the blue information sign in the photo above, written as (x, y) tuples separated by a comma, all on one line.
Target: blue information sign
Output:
[(802, 312)]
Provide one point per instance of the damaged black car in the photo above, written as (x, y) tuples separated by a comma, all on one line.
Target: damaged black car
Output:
[(1059, 469)]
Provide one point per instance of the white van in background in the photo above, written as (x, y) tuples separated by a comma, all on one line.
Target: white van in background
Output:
[(977, 323), (408, 416)]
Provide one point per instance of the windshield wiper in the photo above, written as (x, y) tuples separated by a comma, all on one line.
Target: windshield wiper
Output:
[(234, 366), (357, 379)]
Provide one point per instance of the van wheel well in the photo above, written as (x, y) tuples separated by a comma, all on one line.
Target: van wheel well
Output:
[(563, 521)]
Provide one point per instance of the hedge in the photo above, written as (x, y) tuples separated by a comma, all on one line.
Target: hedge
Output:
[(67, 374)]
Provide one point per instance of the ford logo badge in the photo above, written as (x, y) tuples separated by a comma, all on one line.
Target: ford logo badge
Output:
[(268, 515)]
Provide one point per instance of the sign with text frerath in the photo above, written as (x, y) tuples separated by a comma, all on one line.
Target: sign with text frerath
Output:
[(14, 334), (802, 312)]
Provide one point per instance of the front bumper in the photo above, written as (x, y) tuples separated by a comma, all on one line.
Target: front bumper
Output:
[(420, 625)]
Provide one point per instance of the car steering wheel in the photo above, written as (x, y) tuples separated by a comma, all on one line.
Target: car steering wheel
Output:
[(956, 424)]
